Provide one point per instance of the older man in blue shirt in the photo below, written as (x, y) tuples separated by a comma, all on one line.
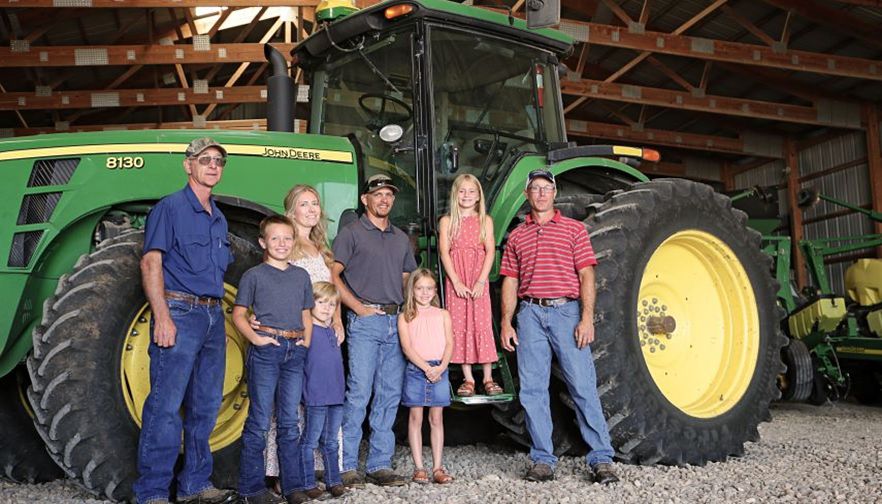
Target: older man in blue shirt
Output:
[(186, 253)]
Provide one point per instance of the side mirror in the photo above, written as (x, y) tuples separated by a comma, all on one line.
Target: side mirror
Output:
[(543, 13)]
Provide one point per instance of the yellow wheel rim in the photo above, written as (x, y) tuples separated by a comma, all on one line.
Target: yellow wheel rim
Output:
[(705, 364), (135, 373)]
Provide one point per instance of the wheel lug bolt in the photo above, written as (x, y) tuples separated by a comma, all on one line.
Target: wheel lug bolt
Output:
[(134, 332), (664, 307), (662, 346), (652, 349), (654, 300), (645, 302), (129, 347), (142, 319), (668, 336)]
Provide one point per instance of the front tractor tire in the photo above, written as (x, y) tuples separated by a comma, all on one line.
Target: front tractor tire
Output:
[(23, 457), (90, 369), (687, 346)]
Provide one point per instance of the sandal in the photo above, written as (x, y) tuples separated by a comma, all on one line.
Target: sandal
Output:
[(441, 476), (492, 388), (420, 476), (467, 389)]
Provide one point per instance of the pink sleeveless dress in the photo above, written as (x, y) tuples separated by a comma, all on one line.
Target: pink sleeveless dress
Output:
[(473, 341)]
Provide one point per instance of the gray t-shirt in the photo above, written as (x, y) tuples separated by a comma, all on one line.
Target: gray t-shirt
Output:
[(374, 261), (278, 297)]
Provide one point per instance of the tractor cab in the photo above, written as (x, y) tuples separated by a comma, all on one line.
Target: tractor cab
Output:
[(428, 90)]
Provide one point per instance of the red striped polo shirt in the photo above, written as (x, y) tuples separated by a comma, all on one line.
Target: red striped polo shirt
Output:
[(546, 258)]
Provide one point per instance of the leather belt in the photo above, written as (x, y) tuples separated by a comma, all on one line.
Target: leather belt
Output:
[(190, 298), (293, 334), (388, 309), (546, 302)]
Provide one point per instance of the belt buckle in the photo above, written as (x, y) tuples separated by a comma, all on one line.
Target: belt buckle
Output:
[(546, 302)]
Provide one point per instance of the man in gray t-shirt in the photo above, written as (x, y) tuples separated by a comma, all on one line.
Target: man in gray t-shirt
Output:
[(372, 260)]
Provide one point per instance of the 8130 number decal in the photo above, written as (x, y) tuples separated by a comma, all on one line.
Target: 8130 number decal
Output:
[(124, 163)]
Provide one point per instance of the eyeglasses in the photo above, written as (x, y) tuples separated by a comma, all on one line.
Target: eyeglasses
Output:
[(541, 189), (206, 160)]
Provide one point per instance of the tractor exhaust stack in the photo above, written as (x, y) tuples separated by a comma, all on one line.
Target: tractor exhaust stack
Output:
[(281, 93)]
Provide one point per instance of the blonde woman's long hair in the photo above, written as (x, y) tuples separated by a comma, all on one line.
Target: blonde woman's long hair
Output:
[(410, 304), (318, 236), (456, 216)]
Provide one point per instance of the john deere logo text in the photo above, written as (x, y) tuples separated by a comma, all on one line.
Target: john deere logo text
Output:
[(291, 153)]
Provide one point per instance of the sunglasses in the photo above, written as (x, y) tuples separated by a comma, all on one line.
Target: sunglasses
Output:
[(206, 160), (373, 184)]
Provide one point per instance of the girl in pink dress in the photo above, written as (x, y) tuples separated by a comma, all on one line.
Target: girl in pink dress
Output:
[(467, 252)]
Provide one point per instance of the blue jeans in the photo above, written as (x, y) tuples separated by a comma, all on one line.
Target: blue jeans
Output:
[(322, 425), (189, 374), (273, 371), (543, 330), (376, 365)]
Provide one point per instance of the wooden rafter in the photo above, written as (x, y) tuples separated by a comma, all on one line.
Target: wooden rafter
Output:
[(838, 20), (755, 109), (692, 141), (64, 56), (131, 98), (732, 52)]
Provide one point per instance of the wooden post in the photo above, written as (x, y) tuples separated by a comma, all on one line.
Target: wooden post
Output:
[(727, 176), (874, 163), (796, 230)]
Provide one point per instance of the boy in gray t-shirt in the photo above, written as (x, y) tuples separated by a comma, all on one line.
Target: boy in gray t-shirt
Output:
[(280, 294)]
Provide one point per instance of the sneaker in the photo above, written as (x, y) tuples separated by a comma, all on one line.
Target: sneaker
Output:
[(210, 496), (338, 490), (267, 497), (539, 473), (386, 477), (297, 497), (352, 479), (604, 474)]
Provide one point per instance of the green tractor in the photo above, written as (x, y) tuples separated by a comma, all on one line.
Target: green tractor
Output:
[(687, 352), (835, 346)]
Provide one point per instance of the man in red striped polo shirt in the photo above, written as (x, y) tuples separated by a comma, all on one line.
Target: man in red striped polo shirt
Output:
[(548, 264)]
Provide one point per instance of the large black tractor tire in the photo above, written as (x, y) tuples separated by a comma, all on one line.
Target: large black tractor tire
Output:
[(83, 384), (697, 393), (23, 457)]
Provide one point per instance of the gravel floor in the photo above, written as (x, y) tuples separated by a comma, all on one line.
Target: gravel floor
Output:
[(824, 454)]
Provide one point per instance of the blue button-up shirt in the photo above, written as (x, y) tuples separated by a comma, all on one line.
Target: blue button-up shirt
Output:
[(194, 245)]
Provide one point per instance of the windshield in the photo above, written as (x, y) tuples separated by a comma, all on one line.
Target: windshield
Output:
[(492, 101), (357, 93)]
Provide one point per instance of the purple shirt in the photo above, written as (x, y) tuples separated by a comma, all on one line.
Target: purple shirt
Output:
[(323, 383)]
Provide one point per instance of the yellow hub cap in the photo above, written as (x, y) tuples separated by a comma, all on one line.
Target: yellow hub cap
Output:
[(705, 364), (135, 373)]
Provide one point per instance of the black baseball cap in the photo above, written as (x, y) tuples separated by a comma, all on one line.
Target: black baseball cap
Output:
[(540, 173)]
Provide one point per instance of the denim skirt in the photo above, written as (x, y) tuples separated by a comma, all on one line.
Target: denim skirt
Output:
[(419, 391)]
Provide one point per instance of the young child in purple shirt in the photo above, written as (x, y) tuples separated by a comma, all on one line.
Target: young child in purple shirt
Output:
[(323, 393)]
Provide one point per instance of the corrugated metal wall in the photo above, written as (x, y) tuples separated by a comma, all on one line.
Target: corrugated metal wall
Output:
[(850, 185)]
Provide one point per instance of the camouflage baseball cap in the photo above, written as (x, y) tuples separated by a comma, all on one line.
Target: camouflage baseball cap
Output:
[(200, 144)]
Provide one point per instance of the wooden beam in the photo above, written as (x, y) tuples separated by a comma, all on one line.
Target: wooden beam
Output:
[(754, 109), (692, 141), (66, 56), (722, 50), (838, 20), (131, 98), (874, 163), (121, 4), (238, 124), (670, 73), (748, 25), (796, 225)]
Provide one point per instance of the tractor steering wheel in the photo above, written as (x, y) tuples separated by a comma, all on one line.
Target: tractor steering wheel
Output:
[(379, 116)]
